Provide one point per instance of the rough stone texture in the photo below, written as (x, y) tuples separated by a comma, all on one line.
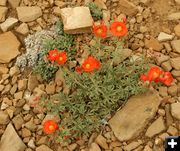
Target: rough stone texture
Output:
[(177, 30), (177, 1), (175, 63), (153, 44), (32, 82), (74, 20), (3, 2), (128, 122), (164, 37), (14, 3), (10, 141), (127, 7), (156, 127), (28, 14), (174, 16), (101, 141), (94, 147), (3, 12), (23, 29), (176, 73), (176, 45), (9, 47), (4, 118), (172, 90), (43, 148), (175, 110), (100, 4), (166, 66), (132, 146), (8, 24)]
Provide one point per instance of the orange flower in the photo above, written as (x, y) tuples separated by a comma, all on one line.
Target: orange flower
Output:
[(118, 29), (167, 78), (91, 64), (100, 30), (144, 77), (52, 55), (50, 126), (154, 74), (61, 58), (78, 69)]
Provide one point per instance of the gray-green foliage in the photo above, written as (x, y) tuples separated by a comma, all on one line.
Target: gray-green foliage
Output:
[(96, 12)]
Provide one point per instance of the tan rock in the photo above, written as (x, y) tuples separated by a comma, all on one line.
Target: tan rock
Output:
[(160, 58), (153, 44), (174, 16), (164, 37), (14, 3), (23, 29), (4, 118), (166, 66), (169, 119), (13, 89), (127, 7), (18, 95), (1, 87), (132, 145), (50, 88), (3, 12), (26, 132), (43, 148), (32, 82), (72, 147), (172, 131), (8, 24), (9, 47), (3, 2), (18, 121), (175, 110), (14, 71), (175, 63), (147, 148), (156, 127), (176, 73), (131, 120), (74, 20), (28, 14), (22, 84), (177, 1), (10, 141), (3, 70), (100, 4), (176, 45), (172, 90), (57, 11), (117, 149), (101, 141), (94, 147), (177, 30)]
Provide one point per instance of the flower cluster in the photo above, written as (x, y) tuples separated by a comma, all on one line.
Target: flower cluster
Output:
[(117, 28), (50, 126), (157, 75), (89, 65), (59, 57)]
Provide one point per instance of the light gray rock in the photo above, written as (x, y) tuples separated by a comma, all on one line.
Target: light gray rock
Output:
[(10, 141), (131, 120), (8, 24), (165, 37)]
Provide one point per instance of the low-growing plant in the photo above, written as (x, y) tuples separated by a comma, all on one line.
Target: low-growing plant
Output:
[(96, 12)]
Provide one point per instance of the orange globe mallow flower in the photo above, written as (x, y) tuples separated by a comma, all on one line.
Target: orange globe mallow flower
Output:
[(61, 58), (100, 30), (154, 74), (53, 54), (78, 69), (50, 126), (118, 29), (166, 78), (91, 64)]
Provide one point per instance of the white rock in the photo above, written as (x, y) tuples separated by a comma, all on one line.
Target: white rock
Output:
[(8, 24), (74, 20), (3, 12), (3, 2), (28, 14), (23, 29), (175, 110), (164, 37), (9, 47), (174, 16), (14, 3), (31, 144), (10, 141)]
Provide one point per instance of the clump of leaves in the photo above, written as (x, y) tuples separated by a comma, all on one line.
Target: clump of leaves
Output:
[(93, 97), (62, 42), (96, 12)]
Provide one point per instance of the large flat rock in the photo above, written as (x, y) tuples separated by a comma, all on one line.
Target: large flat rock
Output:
[(10, 141), (76, 20), (131, 120), (9, 47)]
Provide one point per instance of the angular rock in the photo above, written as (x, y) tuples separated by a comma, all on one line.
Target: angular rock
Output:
[(175, 110), (3, 12), (132, 145), (127, 7), (172, 90), (18, 121), (22, 84), (43, 148), (100, 4), (160, 58), (50, 88), (153, 44), (8, 24), (176, 46), (177, 30), (174, 16), (175, 63), (14, 3), (74, 20), (28, 14), (94, 147), (166, 66), (32, 82), (4, 118), (131, 120), (10, 141), (9, 47), (156, 127), (164, 37), (14, 71), (23, 29), (177, 1), (101, 141), (3, 2), (172, 131), (176, 73)]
